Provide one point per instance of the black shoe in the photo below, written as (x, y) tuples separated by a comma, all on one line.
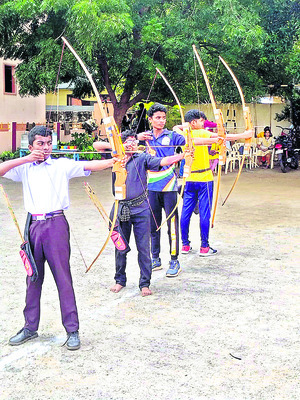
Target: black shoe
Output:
[(73, 341), (22, 336)]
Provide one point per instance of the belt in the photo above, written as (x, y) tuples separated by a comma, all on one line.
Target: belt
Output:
[(124, 213), (43, 217), (200, 170)]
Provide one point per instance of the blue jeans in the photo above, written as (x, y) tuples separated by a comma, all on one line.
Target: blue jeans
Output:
[(202, 191), (140, 223)]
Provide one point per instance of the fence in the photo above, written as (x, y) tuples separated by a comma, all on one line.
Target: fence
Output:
[(262, 115)]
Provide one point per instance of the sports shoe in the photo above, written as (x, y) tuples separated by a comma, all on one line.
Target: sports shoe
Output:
[(174, 269), (73, 341), (207, 251), (156, 264), (186, 249), (22, 336)]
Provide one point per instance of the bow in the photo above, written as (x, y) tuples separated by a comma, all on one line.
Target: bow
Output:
[(188, 149), (117, 150), (248, 124), (221, 131), (92, 195)]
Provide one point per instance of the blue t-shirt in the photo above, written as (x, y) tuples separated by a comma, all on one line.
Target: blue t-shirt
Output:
[(164, 180)]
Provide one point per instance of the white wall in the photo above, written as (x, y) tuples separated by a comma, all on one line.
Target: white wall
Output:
[(17, 108), (262, 115)]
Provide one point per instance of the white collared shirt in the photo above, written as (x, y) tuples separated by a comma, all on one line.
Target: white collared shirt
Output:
[(46, 185)]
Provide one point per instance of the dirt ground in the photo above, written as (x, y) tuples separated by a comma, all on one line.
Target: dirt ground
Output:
[(226, 328)]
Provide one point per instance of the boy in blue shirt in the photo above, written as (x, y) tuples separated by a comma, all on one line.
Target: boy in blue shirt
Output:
[(134, 211), (162, 187)]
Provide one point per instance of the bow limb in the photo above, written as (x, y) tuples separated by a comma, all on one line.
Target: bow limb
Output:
[(92, 195), (248, 125), (173, 93), (114, 138), (109, 235), (221, 131), (9, 206), (188, 149)]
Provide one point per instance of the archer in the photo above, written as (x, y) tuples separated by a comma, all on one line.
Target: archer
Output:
[(46, 196), (134, 211)]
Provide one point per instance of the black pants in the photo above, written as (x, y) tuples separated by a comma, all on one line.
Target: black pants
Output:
[(166, 201), (141, 229)]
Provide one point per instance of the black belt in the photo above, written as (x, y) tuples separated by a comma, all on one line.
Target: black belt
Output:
[(200, 170), (43, 217), (124, 212)]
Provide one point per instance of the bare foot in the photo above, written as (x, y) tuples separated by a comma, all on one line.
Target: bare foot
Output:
[(146, 291), (116, 288)]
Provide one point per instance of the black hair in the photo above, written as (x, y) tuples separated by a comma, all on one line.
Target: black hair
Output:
[(128, 133), (267, 128), (38, 130), (194, 114), (155, 108), (191, 115)]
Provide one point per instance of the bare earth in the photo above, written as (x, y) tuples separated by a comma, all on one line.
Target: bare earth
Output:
[(226, 328)]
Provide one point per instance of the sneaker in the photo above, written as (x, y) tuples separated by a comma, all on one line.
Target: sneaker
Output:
[(174, 269), (22, 336), (156, 264), (186, 249), (73, 341), (207, 251)]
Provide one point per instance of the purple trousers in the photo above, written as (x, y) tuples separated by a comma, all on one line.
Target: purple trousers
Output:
[(50, 241)]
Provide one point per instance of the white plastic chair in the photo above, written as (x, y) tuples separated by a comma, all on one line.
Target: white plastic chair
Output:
[(232, 158)]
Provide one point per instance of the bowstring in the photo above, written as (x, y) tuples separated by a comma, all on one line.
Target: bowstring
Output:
[(140, 178), (52, 184), (146, 101), (146, 193), (198, 99), (196, 78), (216, 74), (56, 83)]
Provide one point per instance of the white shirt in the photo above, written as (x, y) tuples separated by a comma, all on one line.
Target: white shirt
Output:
[(46, 185)]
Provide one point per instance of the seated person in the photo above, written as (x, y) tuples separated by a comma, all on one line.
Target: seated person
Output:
[(265, 146)]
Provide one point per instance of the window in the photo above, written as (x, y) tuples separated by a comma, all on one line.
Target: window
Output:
[(73, 101), (9, 79)]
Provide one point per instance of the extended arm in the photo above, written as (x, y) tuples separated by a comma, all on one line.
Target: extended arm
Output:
[(98, 165), (206, 141), (36, 155), (171, 159), (245, 135), (102, 146)]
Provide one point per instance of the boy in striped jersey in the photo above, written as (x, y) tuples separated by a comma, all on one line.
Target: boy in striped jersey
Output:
[(162, 187)]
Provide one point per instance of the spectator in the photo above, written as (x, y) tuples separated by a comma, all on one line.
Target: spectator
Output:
[(265, 145)]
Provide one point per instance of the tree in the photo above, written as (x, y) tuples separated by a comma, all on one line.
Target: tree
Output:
[(123, 41)]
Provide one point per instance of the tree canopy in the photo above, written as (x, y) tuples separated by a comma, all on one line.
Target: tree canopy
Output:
[(122, 41)]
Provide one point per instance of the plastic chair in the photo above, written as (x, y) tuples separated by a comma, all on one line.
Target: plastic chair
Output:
[(233, 157)]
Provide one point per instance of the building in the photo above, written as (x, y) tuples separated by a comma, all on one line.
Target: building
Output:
[(14, 108)]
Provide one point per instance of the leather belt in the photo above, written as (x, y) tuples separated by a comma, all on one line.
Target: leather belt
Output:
[(43, 217), (124, 213), (198, 171)]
